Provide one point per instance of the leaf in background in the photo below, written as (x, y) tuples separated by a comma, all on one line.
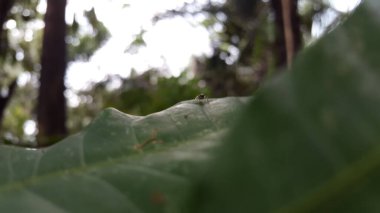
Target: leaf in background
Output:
[(137, 43), (310, 141), (120, 163)]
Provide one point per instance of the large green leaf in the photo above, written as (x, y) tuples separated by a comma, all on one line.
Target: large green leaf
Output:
[(120, 163), (310, 141)]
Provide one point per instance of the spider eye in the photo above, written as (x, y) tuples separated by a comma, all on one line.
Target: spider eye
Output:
[(201, 97)]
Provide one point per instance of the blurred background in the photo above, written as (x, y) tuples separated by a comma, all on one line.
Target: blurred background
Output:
[(62, 62)]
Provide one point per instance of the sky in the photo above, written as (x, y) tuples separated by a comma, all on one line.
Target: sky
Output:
[(344, 5), (170, 43)]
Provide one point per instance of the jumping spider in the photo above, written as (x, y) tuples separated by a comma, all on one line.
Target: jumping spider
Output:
[(201, 98)]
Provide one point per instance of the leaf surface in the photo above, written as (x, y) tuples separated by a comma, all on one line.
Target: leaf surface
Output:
[(310, 141), (119, 163)]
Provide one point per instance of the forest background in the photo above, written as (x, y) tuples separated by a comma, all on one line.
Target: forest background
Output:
[(62, 62)]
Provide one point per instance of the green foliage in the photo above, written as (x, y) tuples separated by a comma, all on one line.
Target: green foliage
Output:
[(137, 43), (17, 113), (83, 45), (21, 46), (243, 39), (19, 50), (28, 42)]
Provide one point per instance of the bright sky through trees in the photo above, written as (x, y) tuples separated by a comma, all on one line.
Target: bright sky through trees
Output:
[(344, 5), (170, 43)]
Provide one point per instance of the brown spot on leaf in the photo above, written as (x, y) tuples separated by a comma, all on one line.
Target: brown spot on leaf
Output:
[(158, 198)]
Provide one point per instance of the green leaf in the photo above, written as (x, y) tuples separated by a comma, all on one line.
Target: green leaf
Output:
[(310, 140), (119, 163)]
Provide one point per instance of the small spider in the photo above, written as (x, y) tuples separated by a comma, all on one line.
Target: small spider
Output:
[(201, 98)]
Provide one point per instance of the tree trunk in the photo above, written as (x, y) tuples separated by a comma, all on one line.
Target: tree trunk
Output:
[(296, 27), (51, 108), (286, 47)]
